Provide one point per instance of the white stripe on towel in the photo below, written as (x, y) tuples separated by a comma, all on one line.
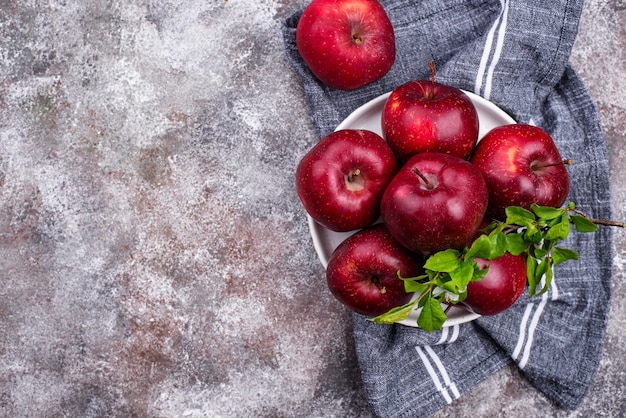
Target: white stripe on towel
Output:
[(446, 332), (527, 329), (554, 289), (442, 370), (444, 336), (433, 375), (499, 25), (498, 51), (531, 330), (522, 331), (455, 333), (427, 354)]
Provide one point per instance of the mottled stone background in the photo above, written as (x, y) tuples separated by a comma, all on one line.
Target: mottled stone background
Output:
[(154, 257)]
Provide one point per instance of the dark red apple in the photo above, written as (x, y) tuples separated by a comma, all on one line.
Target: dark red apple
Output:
[(341, 180), (500, 288), (435, 202), (362, 271), (521, 165), (346, 43), (424, 116)]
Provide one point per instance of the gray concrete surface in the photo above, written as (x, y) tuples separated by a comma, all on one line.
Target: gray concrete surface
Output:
[(154, 258)]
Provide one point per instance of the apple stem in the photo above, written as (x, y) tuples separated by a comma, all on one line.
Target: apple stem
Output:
[(427, 183), (538, 166), (431, 64)]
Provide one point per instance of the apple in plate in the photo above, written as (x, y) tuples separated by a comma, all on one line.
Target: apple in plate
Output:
[(521, 165), (425, 116), (362, 272), (341, 180), (501, 287), (435, 202), (346, 44)]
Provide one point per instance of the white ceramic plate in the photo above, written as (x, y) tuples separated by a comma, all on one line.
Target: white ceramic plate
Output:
[(368, 117)]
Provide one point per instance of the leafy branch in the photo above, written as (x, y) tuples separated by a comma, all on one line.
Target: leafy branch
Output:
[(534, 233)]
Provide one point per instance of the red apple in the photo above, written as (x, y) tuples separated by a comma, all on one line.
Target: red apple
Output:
[(341, 180), (424, 116), (362, 272), (435, 202), (500, 288), (346, 43), (521, 165)]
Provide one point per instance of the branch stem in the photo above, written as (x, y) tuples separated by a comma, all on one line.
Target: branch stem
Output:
[(603, 222)]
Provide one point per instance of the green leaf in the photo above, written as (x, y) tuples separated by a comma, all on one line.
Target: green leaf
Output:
[(396, 314), (539, 252), (515, 243), (560, 255), (531, 267), (517, 215), (547, 212), (431, 275), (491, 226), (533, 234), (462, 275), (549, 244), (432, 316), (416, 278), (411, 286), (540, 271), (548, 279), (552, 222), (479, 273), (445, 282), (583, 224), (488, 246), (560, 230), (542, 267), (480, 248), (443, 261), (498, 240)]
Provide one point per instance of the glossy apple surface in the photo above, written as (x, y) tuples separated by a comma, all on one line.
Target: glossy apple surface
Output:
[(362, 271), (500, 288), (346, 44), (341, 180), (435, 202), (424, 116), (521, 165)]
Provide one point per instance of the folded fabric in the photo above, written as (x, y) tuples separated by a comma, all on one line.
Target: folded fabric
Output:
[(514, 53)]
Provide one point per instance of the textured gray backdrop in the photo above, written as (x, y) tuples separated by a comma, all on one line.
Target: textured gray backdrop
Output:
[(154, 258)]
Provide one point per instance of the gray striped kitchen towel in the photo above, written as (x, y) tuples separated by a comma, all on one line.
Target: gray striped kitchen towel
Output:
[(514, 53)]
